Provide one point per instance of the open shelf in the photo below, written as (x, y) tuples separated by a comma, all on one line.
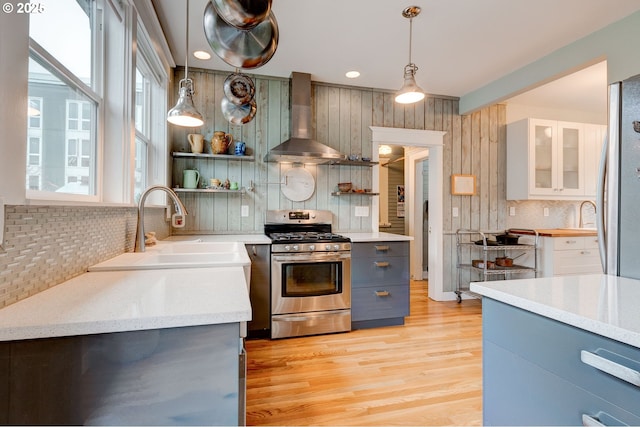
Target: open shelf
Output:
[(213, 156)]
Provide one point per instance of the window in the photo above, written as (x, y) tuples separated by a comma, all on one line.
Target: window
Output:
[(142, 118), (62, 136), (150, 116)]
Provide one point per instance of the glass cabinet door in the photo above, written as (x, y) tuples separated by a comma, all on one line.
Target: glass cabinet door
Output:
[(570, 158), (544, 136)]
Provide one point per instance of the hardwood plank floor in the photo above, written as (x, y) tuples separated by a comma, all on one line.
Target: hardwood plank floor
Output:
[(427, 372)]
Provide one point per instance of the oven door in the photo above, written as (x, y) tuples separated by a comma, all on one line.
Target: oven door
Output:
[(310, 282)]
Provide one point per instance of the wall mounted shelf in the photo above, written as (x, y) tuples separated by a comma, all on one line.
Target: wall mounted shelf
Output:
[(351, 193), (212, 156), (209, 190), (351, 163)]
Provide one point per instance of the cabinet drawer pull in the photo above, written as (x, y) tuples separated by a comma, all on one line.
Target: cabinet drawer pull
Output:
[(382, 293), (610, 367), (381, 248), (589, 421), (381, 263), (571, 242)]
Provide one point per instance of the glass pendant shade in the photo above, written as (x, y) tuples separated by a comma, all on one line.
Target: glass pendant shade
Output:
[(185, 113), (410, 91)]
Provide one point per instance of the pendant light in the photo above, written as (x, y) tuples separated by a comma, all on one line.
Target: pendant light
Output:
[(410, 91), (185, 113)]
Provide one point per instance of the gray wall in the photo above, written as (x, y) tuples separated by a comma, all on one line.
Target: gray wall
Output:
[(473, 144)]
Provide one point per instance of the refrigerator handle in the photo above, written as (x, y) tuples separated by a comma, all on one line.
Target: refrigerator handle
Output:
[(600, 204)]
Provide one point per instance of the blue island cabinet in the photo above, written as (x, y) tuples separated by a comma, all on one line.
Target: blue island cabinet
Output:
[(379, 284), (175, 376), (539, 371)]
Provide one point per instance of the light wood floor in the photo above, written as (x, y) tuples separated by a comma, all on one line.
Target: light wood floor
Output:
[(427, 372)]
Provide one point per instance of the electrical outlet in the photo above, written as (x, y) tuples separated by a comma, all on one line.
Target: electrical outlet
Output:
[(244, 211), (545, 211), (512, 211), (454, 212)]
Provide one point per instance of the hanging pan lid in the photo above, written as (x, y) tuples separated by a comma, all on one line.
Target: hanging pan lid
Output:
[(247, 49)]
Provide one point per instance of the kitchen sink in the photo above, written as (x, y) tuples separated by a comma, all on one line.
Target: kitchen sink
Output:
[(179, 255), (198, 247)]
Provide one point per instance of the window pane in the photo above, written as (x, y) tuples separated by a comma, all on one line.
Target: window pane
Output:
[(65, 32), (61, 101), (142, 103), (140, 169)]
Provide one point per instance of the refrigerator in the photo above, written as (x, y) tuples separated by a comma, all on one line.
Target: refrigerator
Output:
[(618, 201)]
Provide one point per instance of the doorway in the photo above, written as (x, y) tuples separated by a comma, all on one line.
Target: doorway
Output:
[(419, 145)]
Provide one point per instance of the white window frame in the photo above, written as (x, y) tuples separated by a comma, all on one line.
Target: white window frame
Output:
[(93, 93)]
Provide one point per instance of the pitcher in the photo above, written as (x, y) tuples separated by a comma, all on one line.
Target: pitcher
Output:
[(220, 142), (196, 141), (190, 178)]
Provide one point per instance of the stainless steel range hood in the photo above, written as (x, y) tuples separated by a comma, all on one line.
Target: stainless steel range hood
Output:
[(300, 148)]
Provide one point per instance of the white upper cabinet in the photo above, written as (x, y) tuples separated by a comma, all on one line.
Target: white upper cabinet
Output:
[(593, 141), (546, 159)]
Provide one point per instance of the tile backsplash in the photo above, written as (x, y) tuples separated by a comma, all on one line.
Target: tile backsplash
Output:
[(47, 245)]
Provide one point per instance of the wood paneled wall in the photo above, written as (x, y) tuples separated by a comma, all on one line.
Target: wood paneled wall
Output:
[(474, 144)]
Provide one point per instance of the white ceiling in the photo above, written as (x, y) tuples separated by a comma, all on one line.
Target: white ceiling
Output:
[(458, 45)]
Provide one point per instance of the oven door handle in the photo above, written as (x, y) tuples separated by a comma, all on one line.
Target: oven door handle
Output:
[(310, 257)]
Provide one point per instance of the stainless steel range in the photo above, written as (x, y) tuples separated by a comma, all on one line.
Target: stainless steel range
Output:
[(310, 274)]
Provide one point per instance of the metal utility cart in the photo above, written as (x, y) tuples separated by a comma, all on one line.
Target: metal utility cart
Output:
[(478, 250)]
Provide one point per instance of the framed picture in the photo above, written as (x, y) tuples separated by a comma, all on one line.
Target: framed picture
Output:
[(400, 202), (463, 185)]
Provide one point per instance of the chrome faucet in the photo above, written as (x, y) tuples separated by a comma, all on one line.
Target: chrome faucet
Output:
[(586, 202), (180, 209)]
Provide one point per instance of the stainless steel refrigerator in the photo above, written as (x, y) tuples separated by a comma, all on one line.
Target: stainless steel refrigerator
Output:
[(619, 190)]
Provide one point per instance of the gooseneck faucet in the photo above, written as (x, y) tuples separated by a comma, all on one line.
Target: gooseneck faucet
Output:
[(180, 209), (586, 202)]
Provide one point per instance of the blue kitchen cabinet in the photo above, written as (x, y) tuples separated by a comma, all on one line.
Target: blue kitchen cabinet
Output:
[(380, 284), (534, 373), (174, 376)]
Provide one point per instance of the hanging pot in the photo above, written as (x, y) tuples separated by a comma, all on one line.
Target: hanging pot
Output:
[(247, 49), (242, 14), (239, 89), (238, 114)]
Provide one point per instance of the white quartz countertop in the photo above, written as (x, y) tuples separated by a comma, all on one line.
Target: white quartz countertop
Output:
[(602, 304), (250, 239), (116, 301), (376, 237)]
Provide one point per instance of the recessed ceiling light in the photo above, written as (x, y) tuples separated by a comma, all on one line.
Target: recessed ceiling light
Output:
[(201, 54), (352, 74)]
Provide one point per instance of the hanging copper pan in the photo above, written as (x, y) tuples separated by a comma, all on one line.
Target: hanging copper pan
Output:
[(247, 49)]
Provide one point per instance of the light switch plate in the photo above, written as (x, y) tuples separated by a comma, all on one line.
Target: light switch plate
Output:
[(512, 211), (545, 211), (454, 212), (244, 211)]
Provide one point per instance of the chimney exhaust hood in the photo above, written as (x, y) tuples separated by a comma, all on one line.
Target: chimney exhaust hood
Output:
[(300, 148)]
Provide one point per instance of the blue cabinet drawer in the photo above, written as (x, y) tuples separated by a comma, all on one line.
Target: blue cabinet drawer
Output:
[(377, 249), (519, 392), (560, 348), (379, 302), (382, 270)]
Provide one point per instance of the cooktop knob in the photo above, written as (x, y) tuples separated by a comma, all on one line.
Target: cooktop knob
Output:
[(296, 247), (312, 247), (327, 247), (336, 247), (287, 248)]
